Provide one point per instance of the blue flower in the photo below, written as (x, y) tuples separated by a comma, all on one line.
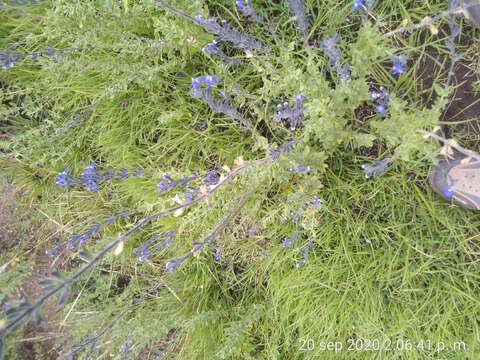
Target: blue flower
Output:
[(399, 64), (211, 178), (92, 185), (82, 239), (205, 94), (50, 50), (125, 349), (122, 174), (295, 216), (124, 213), (63, 179), (109, 219), (292, 114), (173, 264), (218, 255), (345, 72), (315, 202), (190, 194), (91, 176), (143, 251), (362, 5), (357, 4), (398, 69), (93, 229), (381, 108), (330, 45), (248, 11), (55, 250), (288, 241), (9, 63), (212, 48), (73, 241), (212, 21), (156, 242), (381, 98), (242, 5), (139, 172), (167, 182), (286, 147), (211, 80), (297, 7)]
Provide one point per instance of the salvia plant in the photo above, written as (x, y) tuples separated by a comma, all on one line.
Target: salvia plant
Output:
[(76, 241), (77, 119), (330, 45), (217, 179), (156, 242), (293, 116), (222, 30), (304, 252), (381, 98), (212, 49), (92, 177), (202, 88), (11, 57), (225, 32), (297, 7), (247, 10)]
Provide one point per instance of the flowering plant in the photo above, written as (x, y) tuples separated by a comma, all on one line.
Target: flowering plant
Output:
[(239, 125)]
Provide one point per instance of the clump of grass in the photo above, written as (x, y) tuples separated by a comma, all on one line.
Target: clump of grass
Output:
[(379, 260)]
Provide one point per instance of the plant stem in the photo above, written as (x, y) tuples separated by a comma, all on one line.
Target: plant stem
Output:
[(429, 21), (453, 144)]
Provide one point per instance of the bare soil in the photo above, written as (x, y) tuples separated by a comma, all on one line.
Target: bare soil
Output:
[(464, 108), (17, 230)]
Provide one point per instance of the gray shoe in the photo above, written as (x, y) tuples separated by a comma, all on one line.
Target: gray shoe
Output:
[(472, 12), (458, 180)]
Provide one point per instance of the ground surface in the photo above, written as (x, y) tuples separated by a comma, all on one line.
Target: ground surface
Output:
[(393, 270)]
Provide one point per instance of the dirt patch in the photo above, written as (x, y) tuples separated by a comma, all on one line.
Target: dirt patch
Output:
[(19, 227), (9, 229), (465, 103), (464, 107)]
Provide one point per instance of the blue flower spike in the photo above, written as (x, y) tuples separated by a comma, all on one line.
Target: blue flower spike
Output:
[(197, 90), (245, 6)]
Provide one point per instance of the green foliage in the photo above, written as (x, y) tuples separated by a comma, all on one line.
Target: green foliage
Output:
[(369, 48), (13, 276), (235, 341), (401, 128), (383, 249)]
